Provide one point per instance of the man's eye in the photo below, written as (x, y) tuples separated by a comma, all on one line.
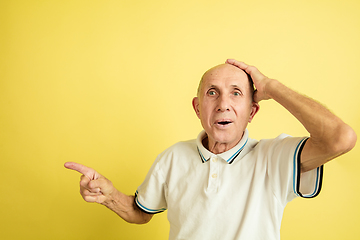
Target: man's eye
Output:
[(237, 94), (212, 93)]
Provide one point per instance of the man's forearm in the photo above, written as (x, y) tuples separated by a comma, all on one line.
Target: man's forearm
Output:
[(313, 116), (328, 133), (124, 206)]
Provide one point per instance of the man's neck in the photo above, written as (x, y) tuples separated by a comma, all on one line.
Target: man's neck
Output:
[(216, 147)]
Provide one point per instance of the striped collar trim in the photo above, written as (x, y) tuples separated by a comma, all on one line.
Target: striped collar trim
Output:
[(228, 156)]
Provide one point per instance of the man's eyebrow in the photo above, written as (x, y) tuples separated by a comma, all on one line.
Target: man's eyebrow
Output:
[(233, 86), (237, 87), (212, 86)]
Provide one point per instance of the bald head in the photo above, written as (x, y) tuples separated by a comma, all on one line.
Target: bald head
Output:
[(225, 69)]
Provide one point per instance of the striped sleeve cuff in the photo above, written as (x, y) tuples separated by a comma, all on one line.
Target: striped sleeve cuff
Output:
[(297, 174), (145, 209)]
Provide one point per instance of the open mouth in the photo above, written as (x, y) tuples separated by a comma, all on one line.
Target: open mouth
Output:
[(223, 122)]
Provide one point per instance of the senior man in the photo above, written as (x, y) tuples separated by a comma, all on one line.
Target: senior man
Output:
[(224, 185)]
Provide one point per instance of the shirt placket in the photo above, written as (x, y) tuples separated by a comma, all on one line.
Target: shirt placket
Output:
[(213, 182)]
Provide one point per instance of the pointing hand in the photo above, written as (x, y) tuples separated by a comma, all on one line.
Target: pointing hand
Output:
[(93, 186)]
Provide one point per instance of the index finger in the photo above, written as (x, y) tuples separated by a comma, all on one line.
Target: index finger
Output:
[(238, 64), (253, 71), (80, 168)]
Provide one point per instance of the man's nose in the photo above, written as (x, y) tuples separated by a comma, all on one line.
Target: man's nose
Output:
[(224, 103)]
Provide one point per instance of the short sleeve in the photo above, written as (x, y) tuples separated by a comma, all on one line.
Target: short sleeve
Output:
[(308, 184), (150, 195), (284, 170)]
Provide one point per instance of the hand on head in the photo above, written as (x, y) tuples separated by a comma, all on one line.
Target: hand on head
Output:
[(93, 186), (259, 79)]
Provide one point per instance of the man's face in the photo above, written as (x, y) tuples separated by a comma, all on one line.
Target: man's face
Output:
[(224, 104)]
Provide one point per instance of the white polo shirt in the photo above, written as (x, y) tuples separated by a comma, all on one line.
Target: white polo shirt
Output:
[(238, 194)]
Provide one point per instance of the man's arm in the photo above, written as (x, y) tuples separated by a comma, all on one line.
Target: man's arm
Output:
[(329, 138), (96, 188)]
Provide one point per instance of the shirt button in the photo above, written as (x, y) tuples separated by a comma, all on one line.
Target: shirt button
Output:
[(214, 175), (214, 159)]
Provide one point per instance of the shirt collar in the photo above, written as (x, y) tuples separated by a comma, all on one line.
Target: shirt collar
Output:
[(228, 156)]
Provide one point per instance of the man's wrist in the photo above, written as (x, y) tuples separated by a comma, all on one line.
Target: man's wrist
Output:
[(118, 201), (110, 202), (271, 87)]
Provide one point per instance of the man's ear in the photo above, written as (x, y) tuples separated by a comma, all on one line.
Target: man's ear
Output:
[(195, 103), (254, 109)]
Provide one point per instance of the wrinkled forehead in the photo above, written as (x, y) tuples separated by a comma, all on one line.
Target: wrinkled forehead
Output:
[(224, 73)]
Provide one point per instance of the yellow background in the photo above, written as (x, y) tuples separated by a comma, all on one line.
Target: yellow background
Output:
[(109, 84)]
